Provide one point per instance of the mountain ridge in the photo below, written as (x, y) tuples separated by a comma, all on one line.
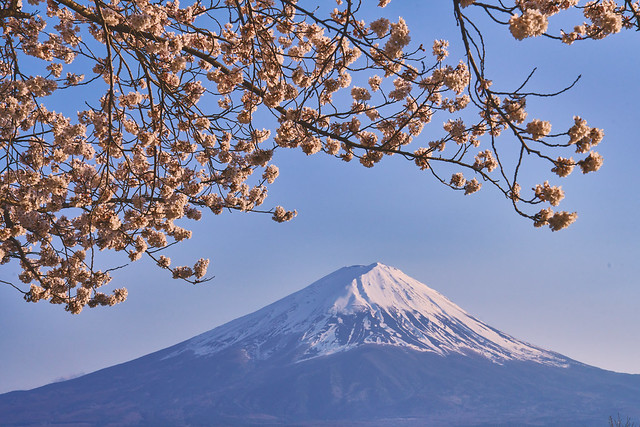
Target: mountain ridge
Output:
[(374, 304)]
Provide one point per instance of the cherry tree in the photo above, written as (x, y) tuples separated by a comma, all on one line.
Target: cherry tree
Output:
[(173, 112)]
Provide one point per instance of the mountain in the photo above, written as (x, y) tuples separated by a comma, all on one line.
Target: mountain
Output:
[(365, 345), (359, 305)]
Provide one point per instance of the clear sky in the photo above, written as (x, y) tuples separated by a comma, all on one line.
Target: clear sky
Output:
[(576, 291)]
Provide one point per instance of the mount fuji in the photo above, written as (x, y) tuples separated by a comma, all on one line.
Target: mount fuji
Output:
[(361, 305), (365, 345)]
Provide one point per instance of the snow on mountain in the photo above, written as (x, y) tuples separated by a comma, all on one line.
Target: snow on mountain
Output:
[(394, 353), (374, 304)]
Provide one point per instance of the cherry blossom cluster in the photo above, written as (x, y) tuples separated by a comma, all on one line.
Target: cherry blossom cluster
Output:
[(179, 110), (530, 18)]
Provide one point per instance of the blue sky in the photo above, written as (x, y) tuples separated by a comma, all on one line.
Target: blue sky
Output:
[(575, 291)]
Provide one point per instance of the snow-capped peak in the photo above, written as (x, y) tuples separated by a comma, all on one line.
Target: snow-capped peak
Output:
[(358, 305)]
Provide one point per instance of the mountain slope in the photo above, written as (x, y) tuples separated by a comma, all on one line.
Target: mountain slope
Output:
[(374, 304), (366, 345)]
